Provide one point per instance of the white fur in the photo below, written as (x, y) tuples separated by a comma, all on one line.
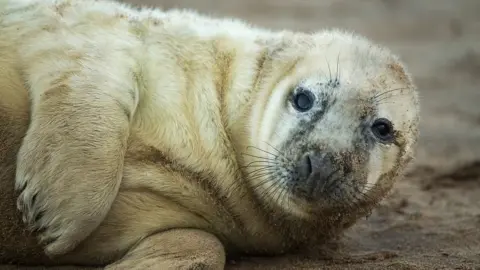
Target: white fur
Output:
[(149, 52)]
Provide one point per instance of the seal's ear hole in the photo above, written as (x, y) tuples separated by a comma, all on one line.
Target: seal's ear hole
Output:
[(383, 130), (303, 99)]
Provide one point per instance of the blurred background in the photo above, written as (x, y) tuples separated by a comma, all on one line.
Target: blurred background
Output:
[(432, 219)]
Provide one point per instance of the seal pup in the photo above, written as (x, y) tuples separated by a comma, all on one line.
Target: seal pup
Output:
[(147, 128)]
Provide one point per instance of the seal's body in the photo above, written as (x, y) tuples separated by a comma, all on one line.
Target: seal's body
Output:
[(129, 130)]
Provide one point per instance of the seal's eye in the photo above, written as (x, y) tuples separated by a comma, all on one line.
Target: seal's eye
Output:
[(303, 100), (383, 130)]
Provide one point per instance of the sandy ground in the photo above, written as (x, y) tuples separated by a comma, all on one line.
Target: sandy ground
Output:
[(432, 219)]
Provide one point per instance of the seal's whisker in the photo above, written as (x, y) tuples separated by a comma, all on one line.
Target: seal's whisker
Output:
[(354, 201), (351, 184), (278, 151), (263, 164), (389, 91), (258, 162), (388, 97), (284, 195), (273, 147), (361, 198), (329, 70), (360, 190), (261, 183), (264, 158), (260, 175), (277, 191), (280, 155), (267, 191), (386, 103), (375, 97), (246, 169), (260, 171), (235, 187), (393, 92), (337, 77), (281, 191), (385, 98), (355, 197), (284, 192), (269, 165), (262, 191), (273, 183), (260, 149)]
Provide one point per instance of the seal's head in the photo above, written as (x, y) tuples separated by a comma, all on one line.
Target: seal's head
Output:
[(334, 123)]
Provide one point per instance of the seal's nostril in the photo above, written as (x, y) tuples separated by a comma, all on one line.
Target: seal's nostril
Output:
[(315, 166), (304, 167), (308, 164)]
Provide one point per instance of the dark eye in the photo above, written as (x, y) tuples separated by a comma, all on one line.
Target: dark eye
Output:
[(383, 130), (303, 100)]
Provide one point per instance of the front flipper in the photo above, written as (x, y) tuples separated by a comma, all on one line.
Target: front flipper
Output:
[(175, 249), (70, 164)]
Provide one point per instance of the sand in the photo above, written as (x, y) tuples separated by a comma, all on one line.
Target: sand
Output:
[(432, 218)]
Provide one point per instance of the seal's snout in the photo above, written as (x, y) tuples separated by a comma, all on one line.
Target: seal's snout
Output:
[(316, 167), (327, 177)]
